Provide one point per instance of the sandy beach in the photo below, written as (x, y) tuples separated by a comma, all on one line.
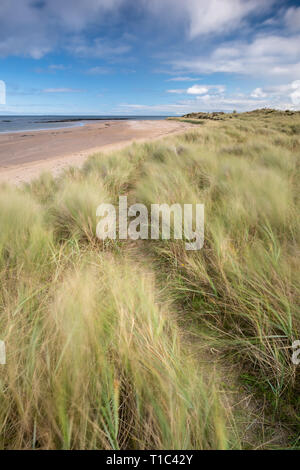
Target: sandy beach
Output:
[(24, 155)]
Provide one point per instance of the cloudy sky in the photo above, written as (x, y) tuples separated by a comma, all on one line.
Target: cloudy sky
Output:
[(149, 56)]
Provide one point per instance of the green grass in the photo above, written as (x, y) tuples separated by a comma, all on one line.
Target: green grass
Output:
[(140, 345)]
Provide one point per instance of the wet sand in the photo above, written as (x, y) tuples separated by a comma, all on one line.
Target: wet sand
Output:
[(24, 155)]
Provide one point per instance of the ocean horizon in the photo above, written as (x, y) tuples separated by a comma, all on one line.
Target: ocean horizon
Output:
[(24, 123)]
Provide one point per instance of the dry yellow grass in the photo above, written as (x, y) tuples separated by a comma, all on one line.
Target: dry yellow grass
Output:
[(107, 343)]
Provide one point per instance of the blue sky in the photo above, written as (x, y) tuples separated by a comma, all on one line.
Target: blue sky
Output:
[(148, 57)]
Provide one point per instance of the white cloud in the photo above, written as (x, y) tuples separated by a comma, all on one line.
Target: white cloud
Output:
[(52, 68), (61, 90), (2, 92), (295, 95), (208, 103), (75, 15), (99, 70), (197, 90), (208, 17), (219, 16), (35, 28), (265, 55), (292, 18), (97, 48), (281, 93), (182, 79), (177, 91), (283, 96), (258, 93)]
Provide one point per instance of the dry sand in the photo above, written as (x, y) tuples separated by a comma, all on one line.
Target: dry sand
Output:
[(24, 155)]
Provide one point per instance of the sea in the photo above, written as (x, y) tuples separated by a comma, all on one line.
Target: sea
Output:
[(38, 123)]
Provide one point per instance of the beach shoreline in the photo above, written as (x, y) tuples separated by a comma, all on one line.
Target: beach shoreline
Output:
[(70, 126), (25, 155)]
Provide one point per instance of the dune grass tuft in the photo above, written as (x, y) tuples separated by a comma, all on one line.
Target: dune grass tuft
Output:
[(142, 345)]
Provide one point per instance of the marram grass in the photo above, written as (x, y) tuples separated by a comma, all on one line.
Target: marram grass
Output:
[(140, 345)]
